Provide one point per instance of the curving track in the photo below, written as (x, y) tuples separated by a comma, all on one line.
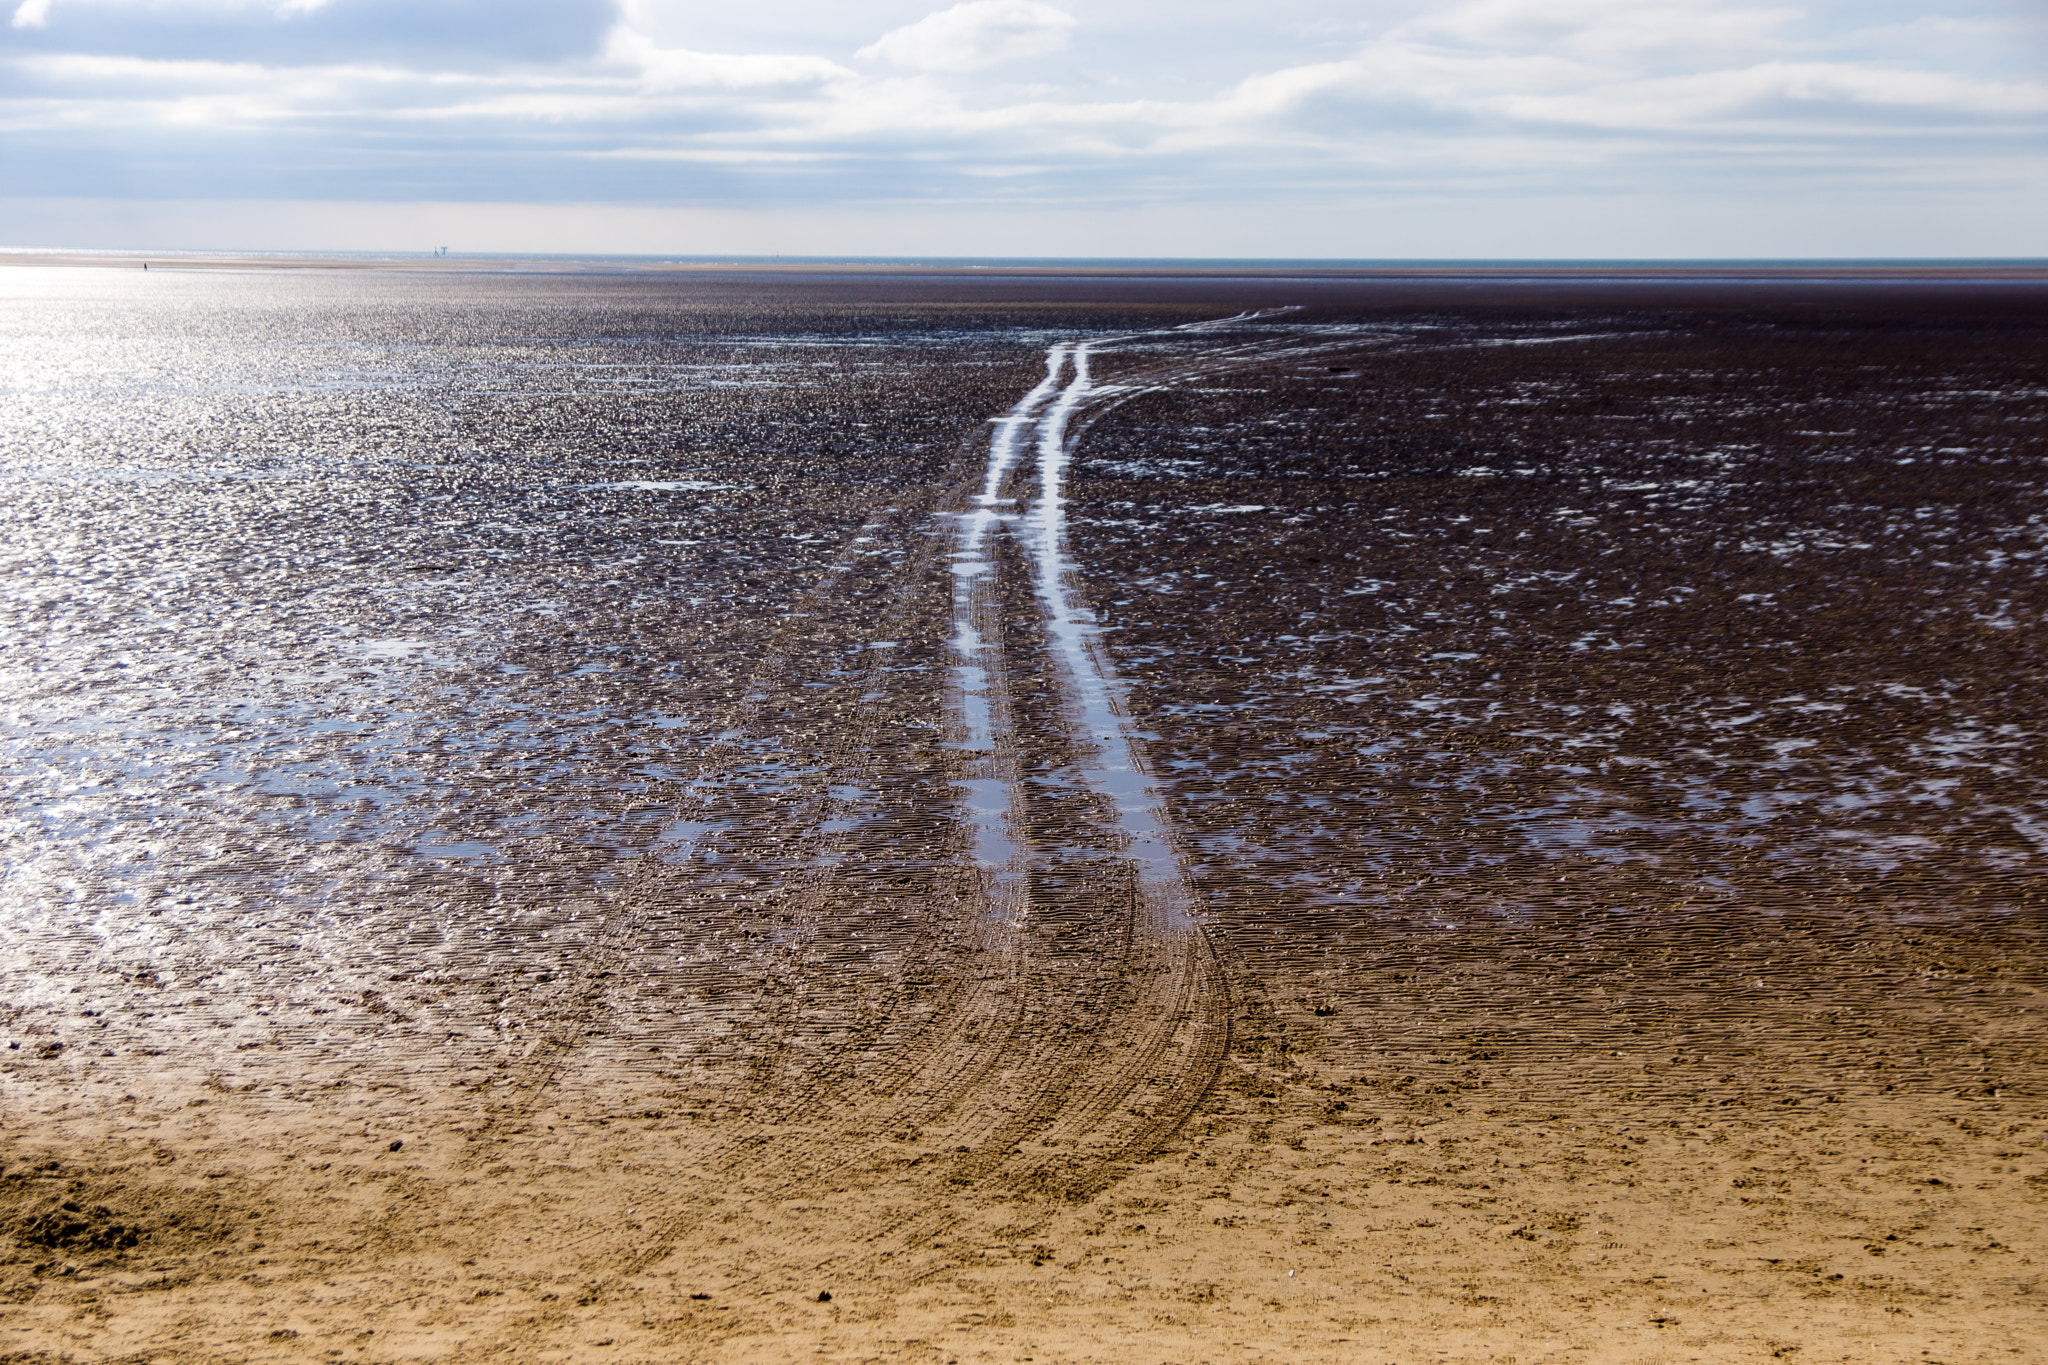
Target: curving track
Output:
[(1053, 1012)]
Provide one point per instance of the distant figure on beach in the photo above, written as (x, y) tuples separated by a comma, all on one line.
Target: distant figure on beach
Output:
[(145, 265)]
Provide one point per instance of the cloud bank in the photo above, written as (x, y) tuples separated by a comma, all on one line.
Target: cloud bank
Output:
[(1116, 105), (969, 37)]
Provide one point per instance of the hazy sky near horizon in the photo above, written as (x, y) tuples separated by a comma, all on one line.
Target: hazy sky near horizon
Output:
[(1368, 128)]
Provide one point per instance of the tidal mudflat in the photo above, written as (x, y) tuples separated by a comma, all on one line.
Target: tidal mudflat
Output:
[(746, 816)]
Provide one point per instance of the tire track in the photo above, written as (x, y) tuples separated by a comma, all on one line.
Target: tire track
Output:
[(653, 886), (1145, 982), (1127, 969), (1089, 1015)]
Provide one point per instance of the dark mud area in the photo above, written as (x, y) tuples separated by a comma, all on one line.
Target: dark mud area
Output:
[(1501, 814), (1641, 675)]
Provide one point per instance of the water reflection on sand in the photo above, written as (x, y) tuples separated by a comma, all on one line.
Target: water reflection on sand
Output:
[(850, 775)]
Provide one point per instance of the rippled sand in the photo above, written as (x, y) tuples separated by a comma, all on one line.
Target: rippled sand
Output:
[(573, 817)]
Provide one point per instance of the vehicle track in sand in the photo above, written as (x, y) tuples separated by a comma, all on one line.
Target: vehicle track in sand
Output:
[(1082, 1013)]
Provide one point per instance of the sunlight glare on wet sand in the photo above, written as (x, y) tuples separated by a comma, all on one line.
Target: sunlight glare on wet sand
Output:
[(665, 817)]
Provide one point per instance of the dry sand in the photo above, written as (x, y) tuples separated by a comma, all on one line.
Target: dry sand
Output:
[(1456, 1211)]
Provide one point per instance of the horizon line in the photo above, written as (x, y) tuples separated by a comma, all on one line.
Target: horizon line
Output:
[(448, 259)]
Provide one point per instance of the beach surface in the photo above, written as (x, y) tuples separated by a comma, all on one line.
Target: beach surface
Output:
[(855, 815)]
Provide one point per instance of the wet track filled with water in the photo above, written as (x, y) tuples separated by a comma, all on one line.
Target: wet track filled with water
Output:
[(548, 808)]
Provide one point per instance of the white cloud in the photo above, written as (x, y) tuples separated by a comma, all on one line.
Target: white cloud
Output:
[(36, 13), (1608, 30), (1371, 223), (971, 36), (1481, 75), (1551, 96), (1785, 93), (1697, 70), (671, 68)]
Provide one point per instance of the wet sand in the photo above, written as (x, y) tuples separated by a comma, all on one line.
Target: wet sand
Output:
[(572, 819)]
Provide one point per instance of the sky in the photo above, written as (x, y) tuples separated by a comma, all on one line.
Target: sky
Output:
[(1283, 128)]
